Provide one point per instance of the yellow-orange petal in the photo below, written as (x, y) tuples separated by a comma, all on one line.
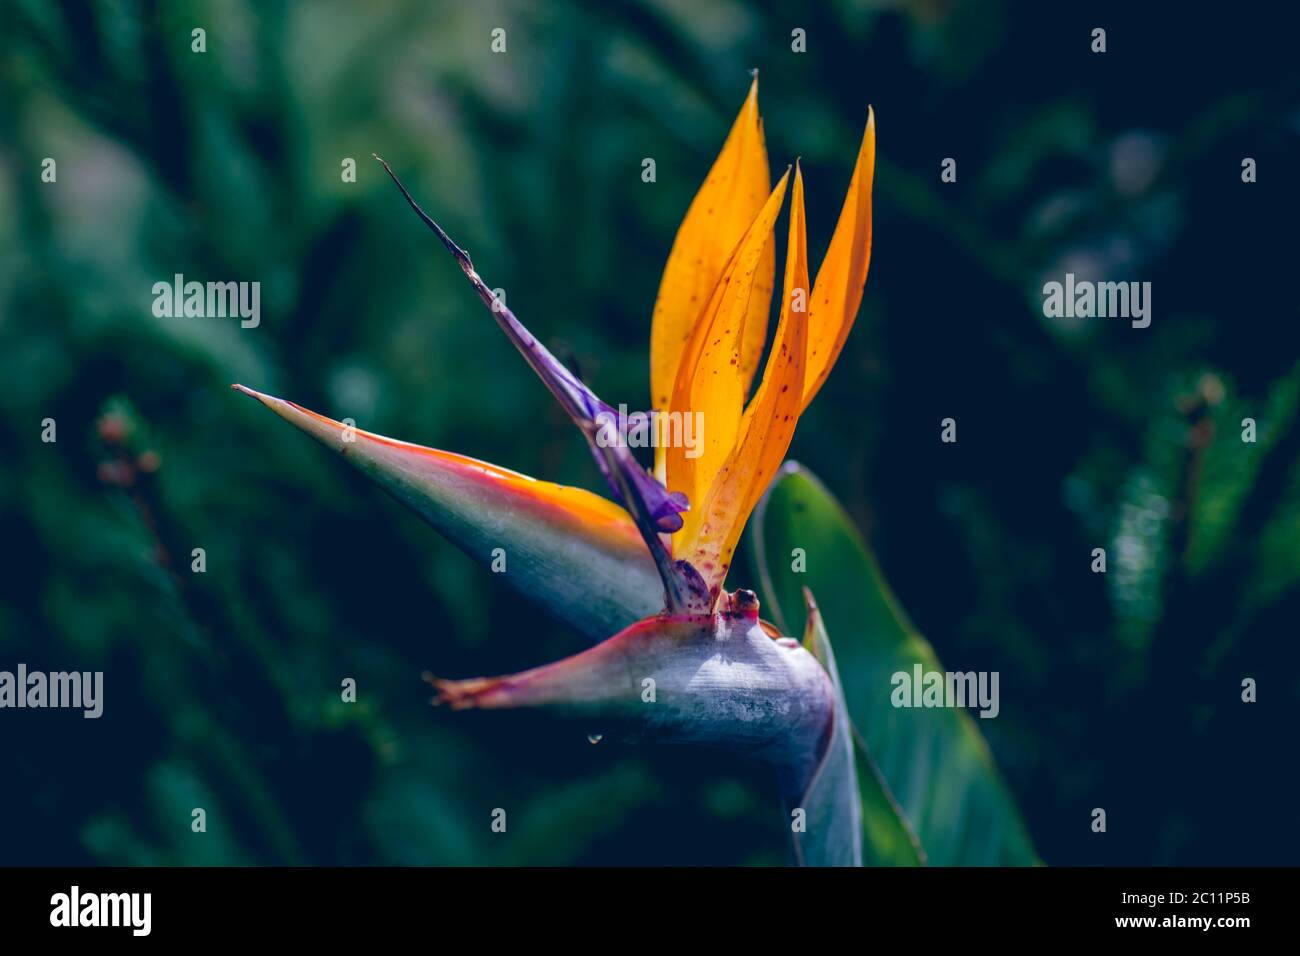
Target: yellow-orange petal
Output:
[(711, 385), (718, 218), (837, 293), (714, 526), (760, 309)]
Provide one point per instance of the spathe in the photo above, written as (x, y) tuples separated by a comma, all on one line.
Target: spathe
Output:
[(575, 553)]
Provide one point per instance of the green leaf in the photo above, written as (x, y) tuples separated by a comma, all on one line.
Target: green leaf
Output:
[(933, 760), (848, 793)]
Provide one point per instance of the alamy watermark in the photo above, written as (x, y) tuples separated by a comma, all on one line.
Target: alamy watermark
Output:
[(653, 429), (220, 300), (75, 908), (1085, 299), (922, 688), (83, 690)]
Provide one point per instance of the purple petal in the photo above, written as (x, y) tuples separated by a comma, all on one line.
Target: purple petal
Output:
[(655, 510)]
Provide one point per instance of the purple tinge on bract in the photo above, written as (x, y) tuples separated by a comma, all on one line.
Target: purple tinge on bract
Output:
[(596, 419), (633, 487)]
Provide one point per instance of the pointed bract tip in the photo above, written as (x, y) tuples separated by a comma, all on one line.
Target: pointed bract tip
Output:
[(253, 393), (809, 602), (460, 254), (438, 698), (462, 694)]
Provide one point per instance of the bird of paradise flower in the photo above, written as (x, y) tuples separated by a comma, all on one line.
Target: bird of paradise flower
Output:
[(688, 660)]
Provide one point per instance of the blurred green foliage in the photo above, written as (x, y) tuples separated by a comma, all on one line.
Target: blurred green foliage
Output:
[(222, 689)]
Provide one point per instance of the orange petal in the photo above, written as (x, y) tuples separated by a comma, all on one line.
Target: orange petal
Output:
[(713, 527), (718, 218), (710, 385), (838, 290), (760, 309)]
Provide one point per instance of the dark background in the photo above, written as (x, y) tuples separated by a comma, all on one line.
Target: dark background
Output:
[(1119, 690)]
